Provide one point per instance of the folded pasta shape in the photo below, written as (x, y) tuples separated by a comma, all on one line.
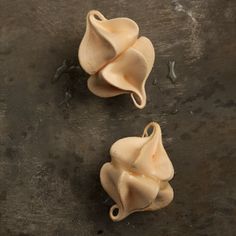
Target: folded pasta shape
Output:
[(137, 178), (117, 60)]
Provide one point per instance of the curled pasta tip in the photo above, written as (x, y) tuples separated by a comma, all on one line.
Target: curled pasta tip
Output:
[(115, 213), (138, 174), (138, 100), (112, 53), (153, 126), (95, 15)]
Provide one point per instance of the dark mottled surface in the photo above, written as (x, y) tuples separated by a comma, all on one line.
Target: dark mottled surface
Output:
[(50, 155)]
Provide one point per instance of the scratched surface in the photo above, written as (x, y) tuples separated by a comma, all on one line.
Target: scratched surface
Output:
[(50, 155)]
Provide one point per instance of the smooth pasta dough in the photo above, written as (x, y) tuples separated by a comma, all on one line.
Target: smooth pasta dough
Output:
[(117, 60), (137, 178)]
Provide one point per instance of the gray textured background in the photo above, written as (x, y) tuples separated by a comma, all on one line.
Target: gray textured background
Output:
[(50, 155)]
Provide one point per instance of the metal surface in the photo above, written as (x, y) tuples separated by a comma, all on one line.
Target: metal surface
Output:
[(50, 155)]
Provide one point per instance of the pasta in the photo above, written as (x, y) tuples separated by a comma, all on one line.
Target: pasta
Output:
[(117, 60), (137, 178)]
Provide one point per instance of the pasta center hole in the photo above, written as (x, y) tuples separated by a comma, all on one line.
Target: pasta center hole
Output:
[(115, 211), (97, 17), (149, 131)]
